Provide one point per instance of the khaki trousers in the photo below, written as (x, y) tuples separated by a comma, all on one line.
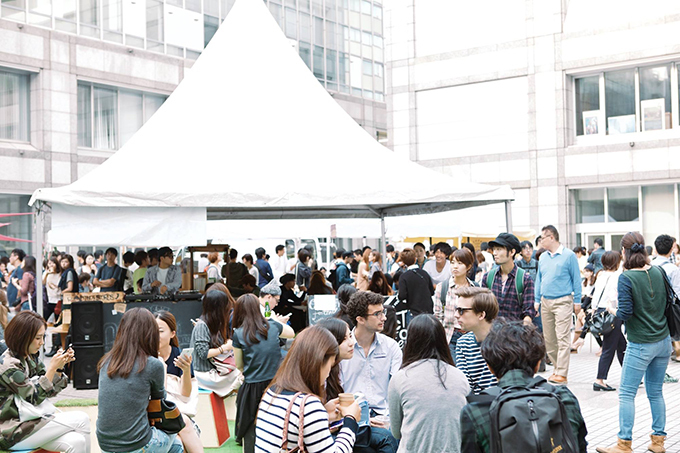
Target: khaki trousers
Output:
[(556, 317)]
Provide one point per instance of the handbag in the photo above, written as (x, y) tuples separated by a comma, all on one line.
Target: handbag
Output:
[(672, 307), (224, 364), (301, 426), (602, 323), (173, 388), (164, 414)]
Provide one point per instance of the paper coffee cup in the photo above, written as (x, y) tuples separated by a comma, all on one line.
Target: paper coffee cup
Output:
[(346, 399)]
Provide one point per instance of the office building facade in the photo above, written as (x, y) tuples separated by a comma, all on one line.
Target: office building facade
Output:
[(79, 77)]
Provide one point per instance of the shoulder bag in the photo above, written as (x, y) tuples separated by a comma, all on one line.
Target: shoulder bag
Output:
[(301, 426), (602, 321), (672, 307)]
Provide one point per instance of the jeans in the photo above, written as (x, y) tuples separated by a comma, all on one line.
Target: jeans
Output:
[(382, 441), (649, 360), (161, 442)]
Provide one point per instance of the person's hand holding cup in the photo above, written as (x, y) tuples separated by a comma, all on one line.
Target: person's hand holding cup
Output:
[(348, 406)]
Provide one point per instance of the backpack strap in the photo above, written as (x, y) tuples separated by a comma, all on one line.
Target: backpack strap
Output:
[(444, 291), (519, 285), (487, 396), (490, 277)]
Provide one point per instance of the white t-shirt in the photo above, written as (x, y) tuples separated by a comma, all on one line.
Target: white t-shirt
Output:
[(162, 275), (437, 277)]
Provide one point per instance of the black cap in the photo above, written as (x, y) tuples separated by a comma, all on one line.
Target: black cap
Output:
[(506, 240), (285, 278)]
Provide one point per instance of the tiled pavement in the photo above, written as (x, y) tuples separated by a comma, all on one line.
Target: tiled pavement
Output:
[(600, 409)]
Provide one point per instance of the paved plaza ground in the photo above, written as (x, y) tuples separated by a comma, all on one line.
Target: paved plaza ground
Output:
[(600, 409)]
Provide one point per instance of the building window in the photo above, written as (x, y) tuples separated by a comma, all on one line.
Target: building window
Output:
[(634, 100), (14, 106), (108, 117), (589, 205), (318, 62), (210, 24), (622, 203), (306, 53), (587, 102)]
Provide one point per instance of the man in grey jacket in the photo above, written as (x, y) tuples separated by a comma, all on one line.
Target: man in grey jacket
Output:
[(164, 278)]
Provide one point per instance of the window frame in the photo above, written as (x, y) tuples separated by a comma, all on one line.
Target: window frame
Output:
[(602, 137), (27, 94), (117, 89)]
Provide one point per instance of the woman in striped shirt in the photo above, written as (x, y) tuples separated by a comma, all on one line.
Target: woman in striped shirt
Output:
[(301, 378)]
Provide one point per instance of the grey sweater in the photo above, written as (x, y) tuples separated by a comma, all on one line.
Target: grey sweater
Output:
[(424, 414), (122, 423), (200, 341)]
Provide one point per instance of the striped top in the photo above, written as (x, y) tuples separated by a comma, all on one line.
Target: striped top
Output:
[(469, 360), (317, 436)]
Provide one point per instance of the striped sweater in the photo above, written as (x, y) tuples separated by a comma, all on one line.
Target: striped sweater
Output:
[(469, 360), (317, 436)]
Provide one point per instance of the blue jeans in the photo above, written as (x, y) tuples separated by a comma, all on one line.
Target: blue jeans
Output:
[(649, 360), (161, 442)]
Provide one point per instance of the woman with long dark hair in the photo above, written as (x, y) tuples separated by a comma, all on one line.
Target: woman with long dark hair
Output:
[(317, 285), (376, 263), (641, 306), (299, 384), (68, 283), (426, 382), (379, 284), (258, 355), (128, 375), (180, 385), (344, 293), (51, 283), (211, 339), (24, 376)]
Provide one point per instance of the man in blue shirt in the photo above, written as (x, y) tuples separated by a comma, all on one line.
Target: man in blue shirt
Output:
[(557, 289), (263, 267), (16, 258)]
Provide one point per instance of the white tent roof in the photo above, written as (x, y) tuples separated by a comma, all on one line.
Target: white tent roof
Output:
[(250, 133)]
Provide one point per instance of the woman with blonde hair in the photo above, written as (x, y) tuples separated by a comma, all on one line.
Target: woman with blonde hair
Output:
[(363, 271)]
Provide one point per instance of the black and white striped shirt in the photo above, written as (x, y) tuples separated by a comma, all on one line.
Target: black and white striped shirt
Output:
[(317, 436)]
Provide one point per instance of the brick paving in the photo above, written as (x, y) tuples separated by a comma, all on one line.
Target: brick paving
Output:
[(600, 409)]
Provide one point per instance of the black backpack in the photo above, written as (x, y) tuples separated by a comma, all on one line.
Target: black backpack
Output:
[(528, 419)]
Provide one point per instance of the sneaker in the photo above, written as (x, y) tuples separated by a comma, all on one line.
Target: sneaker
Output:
[(668, 379)]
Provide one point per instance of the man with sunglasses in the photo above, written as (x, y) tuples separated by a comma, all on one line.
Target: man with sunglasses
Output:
[(476, 308), (376, 356)]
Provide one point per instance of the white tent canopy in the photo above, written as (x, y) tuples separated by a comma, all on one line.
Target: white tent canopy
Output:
[(251, 134)]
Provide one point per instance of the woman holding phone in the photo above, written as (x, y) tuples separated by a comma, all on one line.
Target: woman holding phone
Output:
[(180, 385), (257, 354)]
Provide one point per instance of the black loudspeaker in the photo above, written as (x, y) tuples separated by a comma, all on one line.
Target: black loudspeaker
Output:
[(85, 374), (86, 323)]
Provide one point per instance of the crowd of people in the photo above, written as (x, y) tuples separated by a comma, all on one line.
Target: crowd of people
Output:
[(480, 325)]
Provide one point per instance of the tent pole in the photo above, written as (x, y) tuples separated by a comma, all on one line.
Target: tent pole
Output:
[(39, 219), (508, 216), (383, 245)]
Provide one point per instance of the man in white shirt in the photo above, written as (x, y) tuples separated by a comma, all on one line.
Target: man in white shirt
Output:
[(439, 268), (278, 262)]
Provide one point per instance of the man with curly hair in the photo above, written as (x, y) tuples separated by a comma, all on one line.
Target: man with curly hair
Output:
[(376, 357)]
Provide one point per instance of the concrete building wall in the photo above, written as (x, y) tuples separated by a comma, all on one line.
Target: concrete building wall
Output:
[(485, 92)]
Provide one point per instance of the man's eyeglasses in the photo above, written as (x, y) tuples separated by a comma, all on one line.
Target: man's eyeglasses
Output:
[(380, 313), (461, 310)]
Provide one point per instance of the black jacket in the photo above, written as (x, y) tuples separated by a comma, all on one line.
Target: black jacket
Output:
[(416, 290)]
